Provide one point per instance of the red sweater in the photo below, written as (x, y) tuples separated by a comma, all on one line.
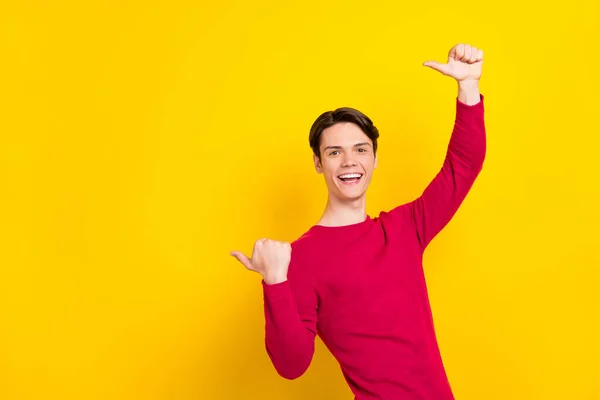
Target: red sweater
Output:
[(362, 288)]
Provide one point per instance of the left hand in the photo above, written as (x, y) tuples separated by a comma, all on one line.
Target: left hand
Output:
[(464, 63)]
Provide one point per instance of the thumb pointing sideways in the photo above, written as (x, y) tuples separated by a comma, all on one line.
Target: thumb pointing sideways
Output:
[(241, 257), (443, 68)]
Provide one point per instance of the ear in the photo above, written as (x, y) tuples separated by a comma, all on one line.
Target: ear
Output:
[(375, 165), (318, 165)]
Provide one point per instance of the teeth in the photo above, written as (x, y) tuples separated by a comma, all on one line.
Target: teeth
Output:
[(350, 176)]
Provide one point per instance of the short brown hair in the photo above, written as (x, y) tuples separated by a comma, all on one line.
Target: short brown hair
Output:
[(342, 114)]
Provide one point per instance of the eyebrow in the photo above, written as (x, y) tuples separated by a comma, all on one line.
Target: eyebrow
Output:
[(339, 147)]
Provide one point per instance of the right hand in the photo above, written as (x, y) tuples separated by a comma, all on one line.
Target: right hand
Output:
[(270, 258)]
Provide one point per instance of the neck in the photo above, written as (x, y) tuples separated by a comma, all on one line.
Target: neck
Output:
[(344, 212)]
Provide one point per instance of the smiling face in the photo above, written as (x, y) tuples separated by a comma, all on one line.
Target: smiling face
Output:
[(347, 161)]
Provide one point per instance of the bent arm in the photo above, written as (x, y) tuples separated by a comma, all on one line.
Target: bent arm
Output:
[(290, 325)]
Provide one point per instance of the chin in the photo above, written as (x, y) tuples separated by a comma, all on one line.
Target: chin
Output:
[(351, 196), (347, 193)]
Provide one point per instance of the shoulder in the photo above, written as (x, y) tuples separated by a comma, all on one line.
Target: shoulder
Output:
[(305, 244), (400, 223), (400, 215), (303, 256)]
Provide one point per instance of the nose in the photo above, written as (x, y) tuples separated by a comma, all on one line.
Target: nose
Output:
[(349, 162)]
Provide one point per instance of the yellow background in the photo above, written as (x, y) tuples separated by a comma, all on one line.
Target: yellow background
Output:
[(142, 141)]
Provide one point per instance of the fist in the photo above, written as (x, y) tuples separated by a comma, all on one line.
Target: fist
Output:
[(270, 258), (464, 63)]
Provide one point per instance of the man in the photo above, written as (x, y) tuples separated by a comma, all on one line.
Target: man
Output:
[(358, 281)]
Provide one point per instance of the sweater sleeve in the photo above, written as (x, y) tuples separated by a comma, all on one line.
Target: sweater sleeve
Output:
[(290, 323), (465, 155)]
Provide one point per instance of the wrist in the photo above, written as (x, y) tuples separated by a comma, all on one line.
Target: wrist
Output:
[(274, 279), (468, 92), (468, 84)]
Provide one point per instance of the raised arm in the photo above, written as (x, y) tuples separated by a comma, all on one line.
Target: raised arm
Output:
[(466, 151)]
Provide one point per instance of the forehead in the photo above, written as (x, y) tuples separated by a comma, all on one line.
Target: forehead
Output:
[(343, 134)]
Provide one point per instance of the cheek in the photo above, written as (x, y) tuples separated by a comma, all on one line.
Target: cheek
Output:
[(368, 165), (329, 168)]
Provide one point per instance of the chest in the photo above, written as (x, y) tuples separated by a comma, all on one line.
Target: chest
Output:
[(367, 275)]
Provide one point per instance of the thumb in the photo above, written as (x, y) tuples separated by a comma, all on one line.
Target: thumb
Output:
[(443, 68), (241, 257)]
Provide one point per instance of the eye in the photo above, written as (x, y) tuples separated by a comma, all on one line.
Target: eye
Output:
[(333, 153), (361, 150)]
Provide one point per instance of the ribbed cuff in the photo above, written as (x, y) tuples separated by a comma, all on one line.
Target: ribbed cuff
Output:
[(277, 291), (463, 106)]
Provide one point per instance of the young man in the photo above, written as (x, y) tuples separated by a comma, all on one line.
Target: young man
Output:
[(358, 281)]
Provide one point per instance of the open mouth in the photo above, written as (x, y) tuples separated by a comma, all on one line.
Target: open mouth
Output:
[(350, 179)]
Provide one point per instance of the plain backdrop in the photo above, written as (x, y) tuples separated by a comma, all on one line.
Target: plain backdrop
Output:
[(142, 141)]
